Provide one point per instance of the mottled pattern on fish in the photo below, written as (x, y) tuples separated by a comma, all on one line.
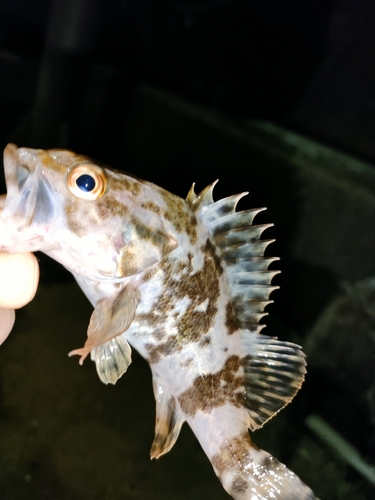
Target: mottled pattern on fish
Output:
[(185, 282)]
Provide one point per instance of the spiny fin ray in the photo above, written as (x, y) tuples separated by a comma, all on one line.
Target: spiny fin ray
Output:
[(240, 235), (203, 199), (191, 196), (242, 251), (168, 422), (235, 220), (220, 208)]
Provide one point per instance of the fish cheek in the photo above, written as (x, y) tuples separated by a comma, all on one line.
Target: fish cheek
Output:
[(77, 217), (83, 215)]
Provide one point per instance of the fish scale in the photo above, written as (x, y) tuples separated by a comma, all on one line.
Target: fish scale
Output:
[(185, 282)]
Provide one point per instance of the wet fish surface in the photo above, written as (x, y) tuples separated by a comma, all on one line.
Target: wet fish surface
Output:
[(185, 283)]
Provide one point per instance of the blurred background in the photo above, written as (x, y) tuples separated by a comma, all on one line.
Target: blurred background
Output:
[(276, 98)]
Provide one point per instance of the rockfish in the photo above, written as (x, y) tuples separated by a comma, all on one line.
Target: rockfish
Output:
[(185, 282)]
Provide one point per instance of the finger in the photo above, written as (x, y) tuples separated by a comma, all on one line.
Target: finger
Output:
[(19, 276), (7, 317)]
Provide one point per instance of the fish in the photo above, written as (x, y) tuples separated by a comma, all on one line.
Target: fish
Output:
[(185, 283)]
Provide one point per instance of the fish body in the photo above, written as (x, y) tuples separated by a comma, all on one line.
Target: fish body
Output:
[(185, 282)]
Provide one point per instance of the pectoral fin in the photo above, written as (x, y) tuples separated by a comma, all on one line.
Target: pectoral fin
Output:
[(168, 422), (111, 317)]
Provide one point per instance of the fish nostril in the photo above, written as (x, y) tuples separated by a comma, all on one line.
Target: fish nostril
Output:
[(22, 174)]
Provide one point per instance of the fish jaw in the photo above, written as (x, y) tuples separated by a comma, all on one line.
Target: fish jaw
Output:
[(28, 207)]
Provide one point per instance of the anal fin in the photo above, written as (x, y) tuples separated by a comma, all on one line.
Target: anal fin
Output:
[(168, 422)]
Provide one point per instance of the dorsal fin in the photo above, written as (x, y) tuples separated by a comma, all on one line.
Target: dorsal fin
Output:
[(191, 196), (274, 372), (241, 249), (203, 199)]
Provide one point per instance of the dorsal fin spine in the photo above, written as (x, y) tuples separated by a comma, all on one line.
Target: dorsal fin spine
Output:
[(205, 198), (191, 196), (242, 251)]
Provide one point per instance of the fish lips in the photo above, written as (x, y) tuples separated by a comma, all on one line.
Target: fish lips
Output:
[(29, 200)]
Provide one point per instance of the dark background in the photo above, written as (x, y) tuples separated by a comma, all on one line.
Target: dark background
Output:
[(309, 65), (170, 91)]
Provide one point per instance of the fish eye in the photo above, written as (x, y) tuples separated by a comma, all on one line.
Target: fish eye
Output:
[(87, 181)]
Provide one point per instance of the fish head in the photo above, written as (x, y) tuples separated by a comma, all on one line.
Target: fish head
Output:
[(87, 217)]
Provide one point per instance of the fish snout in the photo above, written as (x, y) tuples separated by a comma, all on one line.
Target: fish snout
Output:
[(28, 197)]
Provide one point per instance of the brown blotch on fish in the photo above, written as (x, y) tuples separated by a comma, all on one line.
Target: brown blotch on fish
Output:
[(73, 220), (157, 237), (130, 185), (191, 324), (109, 206), (240, 485), (183, 269), (210, 249), (79, 216), (230, 320), (267, 462), (151, 206), (180, 216), (48, 160), (149, 319), (271, 465), (217, 389), (158, 333), (233, 453), (205, 342), (186, 363), (149, 274)]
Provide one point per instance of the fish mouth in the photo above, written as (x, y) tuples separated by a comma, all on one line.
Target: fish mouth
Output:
[(28, 202)]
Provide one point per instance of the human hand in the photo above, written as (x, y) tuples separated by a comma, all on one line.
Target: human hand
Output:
[(19, 276)]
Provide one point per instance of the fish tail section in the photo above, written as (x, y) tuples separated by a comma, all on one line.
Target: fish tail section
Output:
[(245, 471), (249, 473)]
